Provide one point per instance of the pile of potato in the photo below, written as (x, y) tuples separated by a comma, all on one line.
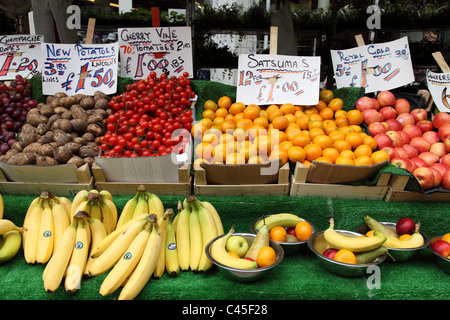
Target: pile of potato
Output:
[(63, 130)]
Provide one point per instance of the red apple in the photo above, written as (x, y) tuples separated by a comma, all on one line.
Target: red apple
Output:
[(371, 115), (391, 151), (403, 163), (405, 137), (394, 124), (437, 177), (388, 113), (364, 103), (376, 128), (438, 148), (383, 140), (405, 119), (431, 136), (441, 247), (405, 226), (425, 125), (402, 106), (419, 162), (419, 114), (396, 138), (445, 183), (410, 150), (447, 144), (425, 177), (429, 157), (442, 168), (329, 253), (440, 118), (412, 131), (420, 144), (444, 131), (386, 98), (375, 103), (446, 159), (401, 152), (291, 230)]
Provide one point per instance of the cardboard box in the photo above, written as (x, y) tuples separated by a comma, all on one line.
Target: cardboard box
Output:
[(338, 181), (64, 180), (397, 192)]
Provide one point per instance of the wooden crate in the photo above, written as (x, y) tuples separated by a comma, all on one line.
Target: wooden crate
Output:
[(397, 193), (301, 188), (182, 188), (85, 181), (202, 188)]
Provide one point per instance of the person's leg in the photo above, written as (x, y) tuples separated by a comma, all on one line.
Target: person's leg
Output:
[(43, 20)]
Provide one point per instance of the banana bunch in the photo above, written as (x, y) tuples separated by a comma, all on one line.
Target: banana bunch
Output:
[(10, 239), (285, 220), (143, 202), (195, 225), (392, 239), (98, 205), (46, 219)]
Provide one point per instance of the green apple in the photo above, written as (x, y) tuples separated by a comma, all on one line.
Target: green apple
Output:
[(237, 244)]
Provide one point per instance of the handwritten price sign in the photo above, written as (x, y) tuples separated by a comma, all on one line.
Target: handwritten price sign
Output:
[(80, 68), (390, 62), (439, 87), (162, 50), (276, 79), (20, 55)]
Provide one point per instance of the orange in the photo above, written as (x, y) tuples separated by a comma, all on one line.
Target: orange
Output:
[(285, 145), (248, 150), (296, 153), (330, 128), (204, 150), (264, 114), (323, 141), (198, 161), (292, 125), (336, 104), (354, 139), (329, 122), (348, 153), (341, 121), (291, 118), (219, 154), (218, 121), (275, 114), (255, 131), (310, 110), (254, 106), (280, 122), (287, 108), (291, 132), (236, 108), (340, 113), (221, 112), (326, 113), (279, 154), (207, 122), (346, 129), (244, 124), (326, 95), (197, 130), (210, 105), (313, 151), (315, 124), (306, 163), (256, 159), (210, 138), (235, 158), (320, 105), (364, 160), (224, 102), (363, 150), (314, 132), (277, 136), (240, 134), (251, 113), (301, 139), (345, 256), (303, 230), (357, 128), (371, 142), (228, 117), (261, 121), (324, 159), (208, 114), (233, 254), (341, 145), (380, 156), (228, 126), (344, 160), (226, 137), (266, 256), (354, 117), (302, 121), (446, 237), (336, 135), (264, 144), (238, 116), (330, 153), (278, 233), (315, 116), (272, 107)]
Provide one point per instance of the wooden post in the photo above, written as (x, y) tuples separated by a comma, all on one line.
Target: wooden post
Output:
[(273, 48), (360, 42), (155, 17), (90, 31), (441, 62)]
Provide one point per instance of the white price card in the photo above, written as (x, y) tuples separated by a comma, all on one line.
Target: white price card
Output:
[(20, 55), (439, 87), (80, 68), (276, 79), (159, 49), (374, 67)]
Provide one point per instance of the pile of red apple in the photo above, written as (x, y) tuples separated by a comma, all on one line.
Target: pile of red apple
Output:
[(413, 141)]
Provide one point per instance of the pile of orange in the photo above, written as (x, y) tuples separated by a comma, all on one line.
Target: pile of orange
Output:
[(234, 133)]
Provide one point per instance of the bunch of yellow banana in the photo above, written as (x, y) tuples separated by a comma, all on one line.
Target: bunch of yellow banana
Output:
[(132, 253), (46, 219), (98, 204), (143, 202), (195, 225), (10, 239)]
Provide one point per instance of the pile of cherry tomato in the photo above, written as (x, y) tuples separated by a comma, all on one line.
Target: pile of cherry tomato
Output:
[(153, 117)]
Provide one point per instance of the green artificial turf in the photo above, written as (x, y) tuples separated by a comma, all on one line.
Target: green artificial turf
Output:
[(298, 277)]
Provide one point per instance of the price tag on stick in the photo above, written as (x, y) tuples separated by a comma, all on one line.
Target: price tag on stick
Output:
[(439, 84)]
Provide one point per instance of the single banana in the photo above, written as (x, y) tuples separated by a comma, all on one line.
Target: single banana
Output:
[(116, 249), (2, 207), (354, 244), (141, 206), (12, 241), (163, 223), (65, 202), (195, 239), (284, 220), (106, 195), (61, 221), (369, 256), (95, 210), (109, 214), (262, 239), (146, 266), (216, 216), (56, 267), (7, 225), (220, 254), (46, 237), (128, 211), (98, 233), (78, 260), (183, 238), (375, 225), (80, 197), (155, 204), (171, 251), (32, 223), (416, 240), (126, 264)]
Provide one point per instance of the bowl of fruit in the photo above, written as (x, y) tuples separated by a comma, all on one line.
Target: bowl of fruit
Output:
[(440, 248), (404, 239), (244, 257), (289, 230), (347, 253)]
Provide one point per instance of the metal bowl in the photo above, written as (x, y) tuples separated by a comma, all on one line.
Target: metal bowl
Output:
[(442, 262), (242, 275), (395, 254), (290, 248), (317, 244)]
